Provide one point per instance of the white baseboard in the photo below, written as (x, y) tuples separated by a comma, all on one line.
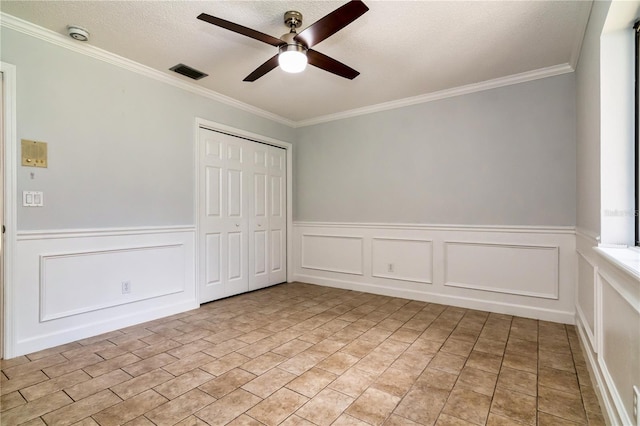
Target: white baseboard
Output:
[(85, 330), (443, 299)]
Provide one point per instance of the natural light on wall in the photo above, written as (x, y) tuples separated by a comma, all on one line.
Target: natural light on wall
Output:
[(617, 178)]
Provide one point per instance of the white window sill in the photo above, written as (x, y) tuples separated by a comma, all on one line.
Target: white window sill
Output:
[(625, 258)]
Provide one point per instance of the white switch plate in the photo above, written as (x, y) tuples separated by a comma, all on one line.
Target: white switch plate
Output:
[(32, 199)]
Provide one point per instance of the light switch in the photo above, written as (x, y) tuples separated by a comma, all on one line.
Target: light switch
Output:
[(32, 199)]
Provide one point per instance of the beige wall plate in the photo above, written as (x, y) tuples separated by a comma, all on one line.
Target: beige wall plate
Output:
[(34, 153)]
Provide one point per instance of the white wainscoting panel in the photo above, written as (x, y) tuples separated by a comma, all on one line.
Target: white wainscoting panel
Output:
[(586, 297), (619, 359), (505, 268), (403, 259), (608, 322), (527, 271), (333, 253), (74, 283), (70, 282)]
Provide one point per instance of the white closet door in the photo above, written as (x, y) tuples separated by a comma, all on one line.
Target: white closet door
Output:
[(259, 220), (223, 216), (277, 215), (243, 226)]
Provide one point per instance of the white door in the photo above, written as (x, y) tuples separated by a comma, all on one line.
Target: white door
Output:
[(242, 230), (277, 215), (223, 216), (259, 221), (268, 223)]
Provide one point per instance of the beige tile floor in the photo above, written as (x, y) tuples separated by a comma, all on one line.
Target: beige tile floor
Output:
[(299, 354)]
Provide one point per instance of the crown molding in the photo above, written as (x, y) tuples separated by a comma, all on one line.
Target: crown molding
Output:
[(443, 94), (47, 35), (28, 28)]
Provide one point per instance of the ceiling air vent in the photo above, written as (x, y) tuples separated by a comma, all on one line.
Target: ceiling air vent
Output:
[(188, 71)]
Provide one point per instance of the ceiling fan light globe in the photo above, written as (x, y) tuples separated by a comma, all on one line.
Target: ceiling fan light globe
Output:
[(292, 61)]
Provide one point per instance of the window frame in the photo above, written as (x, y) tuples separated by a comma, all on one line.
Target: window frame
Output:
[(636, 28)]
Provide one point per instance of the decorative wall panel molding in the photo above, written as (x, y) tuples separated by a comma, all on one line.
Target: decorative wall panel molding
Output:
[(74, 283), (528, 271), (524, 270), (333, 253), (402, 259), (619, 347), (586, 297)]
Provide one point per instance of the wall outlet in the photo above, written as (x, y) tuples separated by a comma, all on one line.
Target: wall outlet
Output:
[(390, 267), (126, 287), (636, 405)]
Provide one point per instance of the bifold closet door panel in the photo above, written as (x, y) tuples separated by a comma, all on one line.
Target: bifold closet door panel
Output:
[(223, 216), (277, 188), (243, 223), (259, 219)]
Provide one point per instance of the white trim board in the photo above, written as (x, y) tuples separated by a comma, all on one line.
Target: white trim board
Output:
[(53, 37), (10, 203), (99, 232), (433, 297), (443, 227)]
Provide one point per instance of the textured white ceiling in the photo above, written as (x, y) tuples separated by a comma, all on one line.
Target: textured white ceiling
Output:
[(401, 48)]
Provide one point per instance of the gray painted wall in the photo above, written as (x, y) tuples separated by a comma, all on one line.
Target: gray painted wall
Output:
[(499, 157), (121, 151), (120, 144)]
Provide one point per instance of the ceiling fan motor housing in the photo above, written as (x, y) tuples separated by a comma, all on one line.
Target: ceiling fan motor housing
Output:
[(293, 19), (292, 45)]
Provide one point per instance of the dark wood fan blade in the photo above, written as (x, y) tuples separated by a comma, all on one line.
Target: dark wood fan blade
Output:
[(263, 69), (257, 35), (326, 63), (332, 23)]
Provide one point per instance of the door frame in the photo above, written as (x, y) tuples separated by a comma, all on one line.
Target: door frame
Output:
[(10, 204), (202, 123)]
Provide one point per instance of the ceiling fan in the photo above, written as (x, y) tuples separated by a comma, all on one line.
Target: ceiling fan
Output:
[(294, 49)]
